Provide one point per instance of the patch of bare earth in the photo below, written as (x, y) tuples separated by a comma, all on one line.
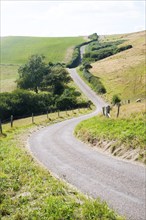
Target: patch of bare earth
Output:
[(121, 151)]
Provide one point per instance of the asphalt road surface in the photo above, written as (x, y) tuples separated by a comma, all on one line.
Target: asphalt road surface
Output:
[(120, 183)]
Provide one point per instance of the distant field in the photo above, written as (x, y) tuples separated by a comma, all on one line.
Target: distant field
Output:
[(8, 76), (16, 50), (124, 73)]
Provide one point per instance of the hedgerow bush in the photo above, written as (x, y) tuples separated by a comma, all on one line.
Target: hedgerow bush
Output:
[(97, 51), (76, 57), (95, 82), (22, 103)]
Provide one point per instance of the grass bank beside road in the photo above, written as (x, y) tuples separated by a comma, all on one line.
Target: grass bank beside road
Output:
[(29, 191), (123, 136)]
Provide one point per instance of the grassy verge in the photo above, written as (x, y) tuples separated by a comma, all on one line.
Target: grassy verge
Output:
[(45, 119), (28, 191), (123, 137)]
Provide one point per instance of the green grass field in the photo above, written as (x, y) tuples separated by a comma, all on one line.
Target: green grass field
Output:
[(16, 50), (29, 191), (8, 76)]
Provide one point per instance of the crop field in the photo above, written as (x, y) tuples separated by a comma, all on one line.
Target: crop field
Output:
[(124, 73)]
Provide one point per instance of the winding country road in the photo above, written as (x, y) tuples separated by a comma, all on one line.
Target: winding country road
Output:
[(120, 183)]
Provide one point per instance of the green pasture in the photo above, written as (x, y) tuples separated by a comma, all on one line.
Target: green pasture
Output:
[(16, 50)]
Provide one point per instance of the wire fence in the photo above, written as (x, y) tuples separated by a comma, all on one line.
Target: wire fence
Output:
[(48, 115)]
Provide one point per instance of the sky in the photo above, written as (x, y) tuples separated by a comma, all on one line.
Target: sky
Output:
[(71, 18)]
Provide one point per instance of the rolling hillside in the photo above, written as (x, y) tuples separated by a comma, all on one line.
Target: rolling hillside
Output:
[(124, 73), (16, 50)]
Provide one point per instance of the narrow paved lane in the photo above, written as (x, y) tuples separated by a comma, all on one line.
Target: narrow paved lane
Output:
[(120, 183)]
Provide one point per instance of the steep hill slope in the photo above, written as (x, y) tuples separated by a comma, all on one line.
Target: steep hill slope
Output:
[(124, 73)]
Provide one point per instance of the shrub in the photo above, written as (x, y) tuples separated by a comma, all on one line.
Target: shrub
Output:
[(95, 82), (123, 48), (116, 99), (97, 51), (76, 57), (22, 103)]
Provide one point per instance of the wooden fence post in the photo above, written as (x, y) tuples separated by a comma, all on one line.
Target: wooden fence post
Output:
[(11, 121), (47, 115), (1, 130), (118, 111), (58, 114), (108, 108), (103, 110), (32, 119)]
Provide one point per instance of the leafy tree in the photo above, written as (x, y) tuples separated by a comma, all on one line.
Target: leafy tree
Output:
[(31, 74), (93, 36), (36, 75), (55, 79), (68, 99)]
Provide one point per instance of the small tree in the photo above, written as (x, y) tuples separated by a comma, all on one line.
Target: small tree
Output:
[(116, 99), (31, 74), (56, 79), (94, 36)]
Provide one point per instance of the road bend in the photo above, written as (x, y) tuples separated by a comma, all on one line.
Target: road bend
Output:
[(120, 183)]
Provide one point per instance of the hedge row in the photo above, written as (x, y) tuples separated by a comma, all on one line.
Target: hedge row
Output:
[(21, 103), (95, 82), (76, 57), (104, 52)]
